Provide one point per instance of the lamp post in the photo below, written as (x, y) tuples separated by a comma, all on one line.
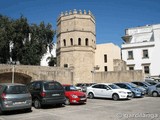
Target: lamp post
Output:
[(13, 73)]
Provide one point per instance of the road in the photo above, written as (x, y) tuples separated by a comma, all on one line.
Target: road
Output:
[(147, 108)]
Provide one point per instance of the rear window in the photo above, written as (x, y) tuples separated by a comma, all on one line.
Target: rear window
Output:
[(70, 88), (52, 86), (18, 89)]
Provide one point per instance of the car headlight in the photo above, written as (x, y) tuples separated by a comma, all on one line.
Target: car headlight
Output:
[(74, 96), (122, 92)]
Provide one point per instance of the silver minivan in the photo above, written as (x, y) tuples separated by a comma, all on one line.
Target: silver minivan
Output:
[(14, 97)]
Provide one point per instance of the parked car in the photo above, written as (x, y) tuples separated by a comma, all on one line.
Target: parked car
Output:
[(143, 84), (83, 86), (152, 82), (14, 97), (73, 95), (142, 89), (154, 90), (108, 90), (45, 92), (136, 92)]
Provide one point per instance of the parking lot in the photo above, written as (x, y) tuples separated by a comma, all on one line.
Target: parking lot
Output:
[(147, 108)]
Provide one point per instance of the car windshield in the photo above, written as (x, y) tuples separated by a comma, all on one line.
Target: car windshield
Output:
[(52, 86), (17, 89), (146, 83), (131, 85), (113, 86), (70, 88)]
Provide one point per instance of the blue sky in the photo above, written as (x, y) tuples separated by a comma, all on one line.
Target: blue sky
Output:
[(112, 16)]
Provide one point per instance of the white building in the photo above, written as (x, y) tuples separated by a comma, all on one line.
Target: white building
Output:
[(104, 56), (141, 49)]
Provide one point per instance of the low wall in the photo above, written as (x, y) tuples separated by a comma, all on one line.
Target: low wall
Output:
[(118, 76)]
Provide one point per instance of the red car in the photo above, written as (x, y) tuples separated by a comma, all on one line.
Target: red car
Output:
[(73, 95)]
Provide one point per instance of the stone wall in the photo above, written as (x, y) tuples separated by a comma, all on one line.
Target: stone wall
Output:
[(25, 74), (118, 76)]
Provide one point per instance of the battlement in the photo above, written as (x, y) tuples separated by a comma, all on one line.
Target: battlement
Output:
[(79, 12)]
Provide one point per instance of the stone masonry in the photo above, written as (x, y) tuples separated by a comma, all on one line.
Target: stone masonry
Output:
[(76, 43)]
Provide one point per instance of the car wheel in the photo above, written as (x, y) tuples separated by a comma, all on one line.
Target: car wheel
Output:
[(37, 104), (67, 102), (115, 97), (90, 95), (155, 94)]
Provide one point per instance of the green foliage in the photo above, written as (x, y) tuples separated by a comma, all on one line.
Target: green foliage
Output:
[(52, 61), (29, 41)]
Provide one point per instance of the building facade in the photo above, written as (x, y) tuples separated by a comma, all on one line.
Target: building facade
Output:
[(76, 43), (141, 49), (105, 54)]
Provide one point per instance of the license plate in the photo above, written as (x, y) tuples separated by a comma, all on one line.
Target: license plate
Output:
[(18, 103), (55, 94), (83, 98)]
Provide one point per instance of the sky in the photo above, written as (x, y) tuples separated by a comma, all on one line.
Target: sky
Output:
[(112, 16)]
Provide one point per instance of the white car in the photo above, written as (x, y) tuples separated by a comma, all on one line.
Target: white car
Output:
[(108, 90)]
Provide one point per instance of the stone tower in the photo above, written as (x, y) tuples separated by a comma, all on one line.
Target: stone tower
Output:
[(76, 44)]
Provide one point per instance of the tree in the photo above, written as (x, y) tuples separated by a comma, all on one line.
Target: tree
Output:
[(29, 41), (52, 61), (6, 31)]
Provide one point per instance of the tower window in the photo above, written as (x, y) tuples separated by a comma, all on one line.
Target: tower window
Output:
[(105, 58), (105, 68), (71, 40), (64, 42), (86, 41), (79, 41)]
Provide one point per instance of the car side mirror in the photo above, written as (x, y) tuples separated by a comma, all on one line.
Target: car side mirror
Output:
[(107, 89)]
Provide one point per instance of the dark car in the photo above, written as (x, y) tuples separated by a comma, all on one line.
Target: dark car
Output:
[(45, 92), (14, 97)]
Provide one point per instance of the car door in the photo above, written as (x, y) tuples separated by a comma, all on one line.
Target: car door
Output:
[(108, 91), (97, 90)]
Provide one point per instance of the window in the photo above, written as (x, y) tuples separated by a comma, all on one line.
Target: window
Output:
[(146, 70), (105, 58), (79, 41), (105, 68), (158, 86), (64, 42), (86, 41), (131, 68), (145, 54), (130, 54), (71, 40)]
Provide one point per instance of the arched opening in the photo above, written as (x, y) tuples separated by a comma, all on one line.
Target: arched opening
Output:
[(86, 41), (64, 42), (71, 40), (18, 78), (79, 41)]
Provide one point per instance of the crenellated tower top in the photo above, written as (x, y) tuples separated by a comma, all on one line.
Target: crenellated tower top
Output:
[(80, 12)]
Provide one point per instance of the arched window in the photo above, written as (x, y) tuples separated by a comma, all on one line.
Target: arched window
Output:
[(79, 41), (71, 40), (64, 42), (86, 41)]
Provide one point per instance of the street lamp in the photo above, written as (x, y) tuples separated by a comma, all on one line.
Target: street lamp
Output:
[(13, 73)]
